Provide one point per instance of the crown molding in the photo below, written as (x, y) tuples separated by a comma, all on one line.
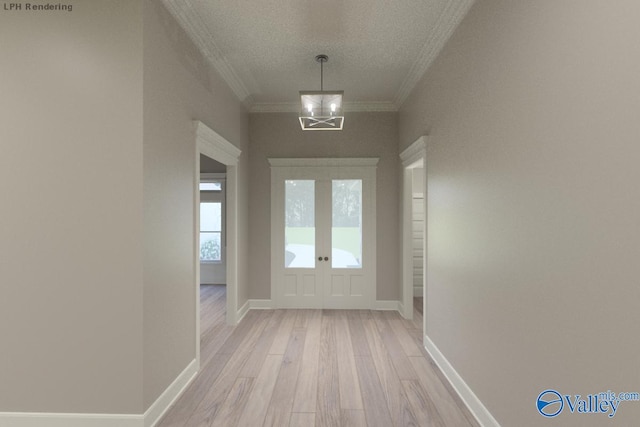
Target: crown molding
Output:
[(440, 33), (197, 31), (349, 107)]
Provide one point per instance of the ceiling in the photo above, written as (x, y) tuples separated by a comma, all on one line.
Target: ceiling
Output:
[(265, 50)]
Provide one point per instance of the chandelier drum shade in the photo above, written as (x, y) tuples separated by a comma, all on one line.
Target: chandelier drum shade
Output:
[(321, 110)]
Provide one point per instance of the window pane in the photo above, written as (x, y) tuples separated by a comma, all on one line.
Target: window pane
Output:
[(210, 186), (211, 216), (300, 224), (346, 227), (210, 248)]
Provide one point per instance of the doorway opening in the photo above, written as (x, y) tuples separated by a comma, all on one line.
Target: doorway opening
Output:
[(220, 234), (213, 233), (414, 228)]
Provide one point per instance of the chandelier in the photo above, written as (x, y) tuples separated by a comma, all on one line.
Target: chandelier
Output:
[(321, 110)]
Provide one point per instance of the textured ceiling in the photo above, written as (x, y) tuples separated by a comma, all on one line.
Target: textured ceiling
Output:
[(265, 50)]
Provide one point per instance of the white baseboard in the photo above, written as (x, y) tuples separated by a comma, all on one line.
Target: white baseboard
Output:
[(29, 419), (254, 304), (170, 395), (418, 291), (387, 305), (149, 419), (260, 304), (267, 304), (478, 410), (243, 311)]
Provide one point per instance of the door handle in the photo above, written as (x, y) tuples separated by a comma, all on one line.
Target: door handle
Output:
[(319, 258), (326, 258)]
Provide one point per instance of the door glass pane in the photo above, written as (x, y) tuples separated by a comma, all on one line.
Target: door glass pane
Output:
[(210, 248), (210, 231), (210, 216), (346, 225), (300, 224)]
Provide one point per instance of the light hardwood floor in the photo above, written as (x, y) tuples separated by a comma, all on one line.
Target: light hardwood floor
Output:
[(314, 368)]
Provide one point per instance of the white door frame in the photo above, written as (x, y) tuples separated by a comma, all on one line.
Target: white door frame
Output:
[(414, 156), (281, 167), (212, 145)]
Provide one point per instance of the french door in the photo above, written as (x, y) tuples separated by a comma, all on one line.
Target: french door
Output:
[(323, 233)]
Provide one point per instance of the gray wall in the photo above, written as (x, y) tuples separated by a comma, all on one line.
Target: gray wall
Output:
[(364, 135), (532, 116), (178, 88), (71, 217), (97, 263)]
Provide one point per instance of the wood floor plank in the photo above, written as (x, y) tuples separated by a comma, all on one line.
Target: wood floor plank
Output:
[(279, 411), (447, 407), (192, 397), (350, 395), (384, 367), (302, 419), (424, 408), (307, 386), (353, 418), (375, 406), (302, 316), (328, 400), (281, 339), (356, 331), (240, 331), (234, 404), (408, 343), (401, 364), (262, 346), (256, 408), (211, 402)]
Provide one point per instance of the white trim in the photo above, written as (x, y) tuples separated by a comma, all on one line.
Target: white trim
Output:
[(43, 419), (387, 305), (418, 291), (242, 311), (254, 304), (195, 28), (149, 419), (211, 144), (171, 394), (475, 406), (414, 153), (192, 23), (261, 304), (438, 37), (324, 162), (411, 157)]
